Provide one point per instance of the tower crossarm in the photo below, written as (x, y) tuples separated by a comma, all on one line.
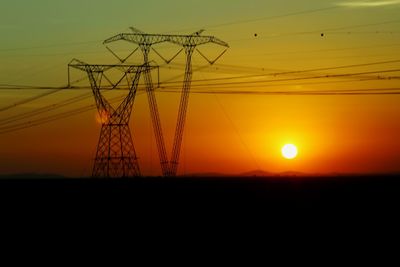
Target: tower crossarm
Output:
[(83, 66), (139, 38), (96, 72), (152, 39), (195, 40), (80, 65)]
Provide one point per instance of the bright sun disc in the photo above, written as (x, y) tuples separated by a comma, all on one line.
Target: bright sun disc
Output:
[(289, 151)]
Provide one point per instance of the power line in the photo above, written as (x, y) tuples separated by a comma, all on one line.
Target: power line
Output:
[(263, 86), (48, 108), (319, 31), (207, 26), (272, 17), (31, 99), (228, 24), (301, 78), (220, 85), (363, 32), (319, 50), (299, 93), (361, 25), (295, 72), (163, 83), (48, 46), (38, 122), (342, 92), (373, 91), (51, 118), (244, 21)]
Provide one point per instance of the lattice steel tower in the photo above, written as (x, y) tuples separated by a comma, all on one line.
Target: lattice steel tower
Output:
[(189, 44), (115, 156)]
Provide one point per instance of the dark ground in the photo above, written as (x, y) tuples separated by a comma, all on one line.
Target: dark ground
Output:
[(284, 207), (363, 193), (313, 217)]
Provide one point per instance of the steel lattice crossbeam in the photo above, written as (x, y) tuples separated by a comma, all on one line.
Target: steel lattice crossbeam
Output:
[(182, 40)]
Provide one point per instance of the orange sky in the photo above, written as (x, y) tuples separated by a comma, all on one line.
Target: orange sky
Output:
[(224, 133)]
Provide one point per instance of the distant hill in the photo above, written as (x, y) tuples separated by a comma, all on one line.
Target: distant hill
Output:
[(32, 176), (207, 174), (258, 173), (254, 173), (261, 173)]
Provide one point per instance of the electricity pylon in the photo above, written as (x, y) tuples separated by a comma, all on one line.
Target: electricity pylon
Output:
[(189, 44), (115, 156)]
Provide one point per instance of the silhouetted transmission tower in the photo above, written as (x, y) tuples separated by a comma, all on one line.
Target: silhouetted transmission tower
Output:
[(189, 44), (115, 156)]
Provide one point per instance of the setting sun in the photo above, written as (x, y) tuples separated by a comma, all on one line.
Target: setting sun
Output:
[(289, 151)]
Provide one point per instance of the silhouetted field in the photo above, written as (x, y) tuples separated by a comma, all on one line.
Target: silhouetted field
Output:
[(358, 192), (274, 205)]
